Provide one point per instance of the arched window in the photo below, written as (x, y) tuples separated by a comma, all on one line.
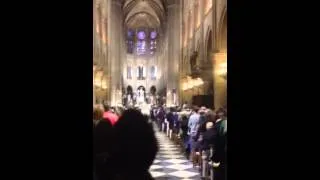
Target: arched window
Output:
[(207, 6), (153, 42), (141, 73), (130, 43), (141, 43), (129, 73), (153, 72)]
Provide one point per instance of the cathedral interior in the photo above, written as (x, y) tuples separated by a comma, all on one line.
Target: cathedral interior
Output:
[(167, 52), (174, 51)]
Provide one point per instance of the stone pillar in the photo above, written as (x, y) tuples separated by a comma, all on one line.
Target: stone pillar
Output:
[(173, 32), (94, 95), (202, 35), (115, 36), (220, 83)]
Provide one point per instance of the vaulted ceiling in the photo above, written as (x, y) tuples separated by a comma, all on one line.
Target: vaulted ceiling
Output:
[(144, 13)]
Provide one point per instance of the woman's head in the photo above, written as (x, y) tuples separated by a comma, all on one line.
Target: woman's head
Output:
[(97, 113), (211, 116)]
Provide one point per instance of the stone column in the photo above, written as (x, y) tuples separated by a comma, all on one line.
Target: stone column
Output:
[(173, 49), (202, 35), (93, 91), (220, 83), (115, 34)]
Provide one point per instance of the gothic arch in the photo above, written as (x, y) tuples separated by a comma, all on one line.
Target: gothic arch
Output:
[(208, 41), (209, 51), (222, 30)]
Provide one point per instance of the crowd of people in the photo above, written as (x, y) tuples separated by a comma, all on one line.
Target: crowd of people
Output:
[(124, 142), (201, 130)]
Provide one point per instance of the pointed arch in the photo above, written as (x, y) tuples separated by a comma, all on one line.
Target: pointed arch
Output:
[(208, 41), (222, 30)]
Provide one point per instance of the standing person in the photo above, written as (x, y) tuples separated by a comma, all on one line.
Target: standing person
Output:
[(170, 119), (108, 114), (202, 120), (160, 117), (185, 137), (219, 157), (176, 122), (193, 125), (102, 132), (151, 113), (209, 137)]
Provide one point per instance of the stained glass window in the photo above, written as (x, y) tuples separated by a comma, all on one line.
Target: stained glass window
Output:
[(141, 43), (153, 46), (141, 35), (141, 47), (153, 42), (130, 41), (153, 35)]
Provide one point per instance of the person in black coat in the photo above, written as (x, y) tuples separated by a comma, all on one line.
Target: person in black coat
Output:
[(170, 118), (208, 137), (135, 147), (102, 134), (219, 157)]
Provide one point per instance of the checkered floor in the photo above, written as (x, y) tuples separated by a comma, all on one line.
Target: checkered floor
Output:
[(170, 164)]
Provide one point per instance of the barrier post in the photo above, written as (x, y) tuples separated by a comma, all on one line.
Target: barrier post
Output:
[(204, 164), (167, 128), (211, 165)]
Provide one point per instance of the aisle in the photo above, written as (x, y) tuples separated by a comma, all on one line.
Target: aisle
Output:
[(170, 164)]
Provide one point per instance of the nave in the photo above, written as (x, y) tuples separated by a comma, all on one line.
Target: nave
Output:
[(170, 163)]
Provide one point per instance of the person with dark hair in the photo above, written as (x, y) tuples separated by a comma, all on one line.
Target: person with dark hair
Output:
[(176, 122), (170, 119), (219, 156), (185, 137), (109, 115), (102, 134), (160, 117), (202, 120), (135, 147)]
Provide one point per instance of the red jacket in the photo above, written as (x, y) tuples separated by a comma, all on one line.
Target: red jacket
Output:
[(113, 118)]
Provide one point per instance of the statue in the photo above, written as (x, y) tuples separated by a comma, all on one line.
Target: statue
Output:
[(193, 61), (140, 97), (129, 101)]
